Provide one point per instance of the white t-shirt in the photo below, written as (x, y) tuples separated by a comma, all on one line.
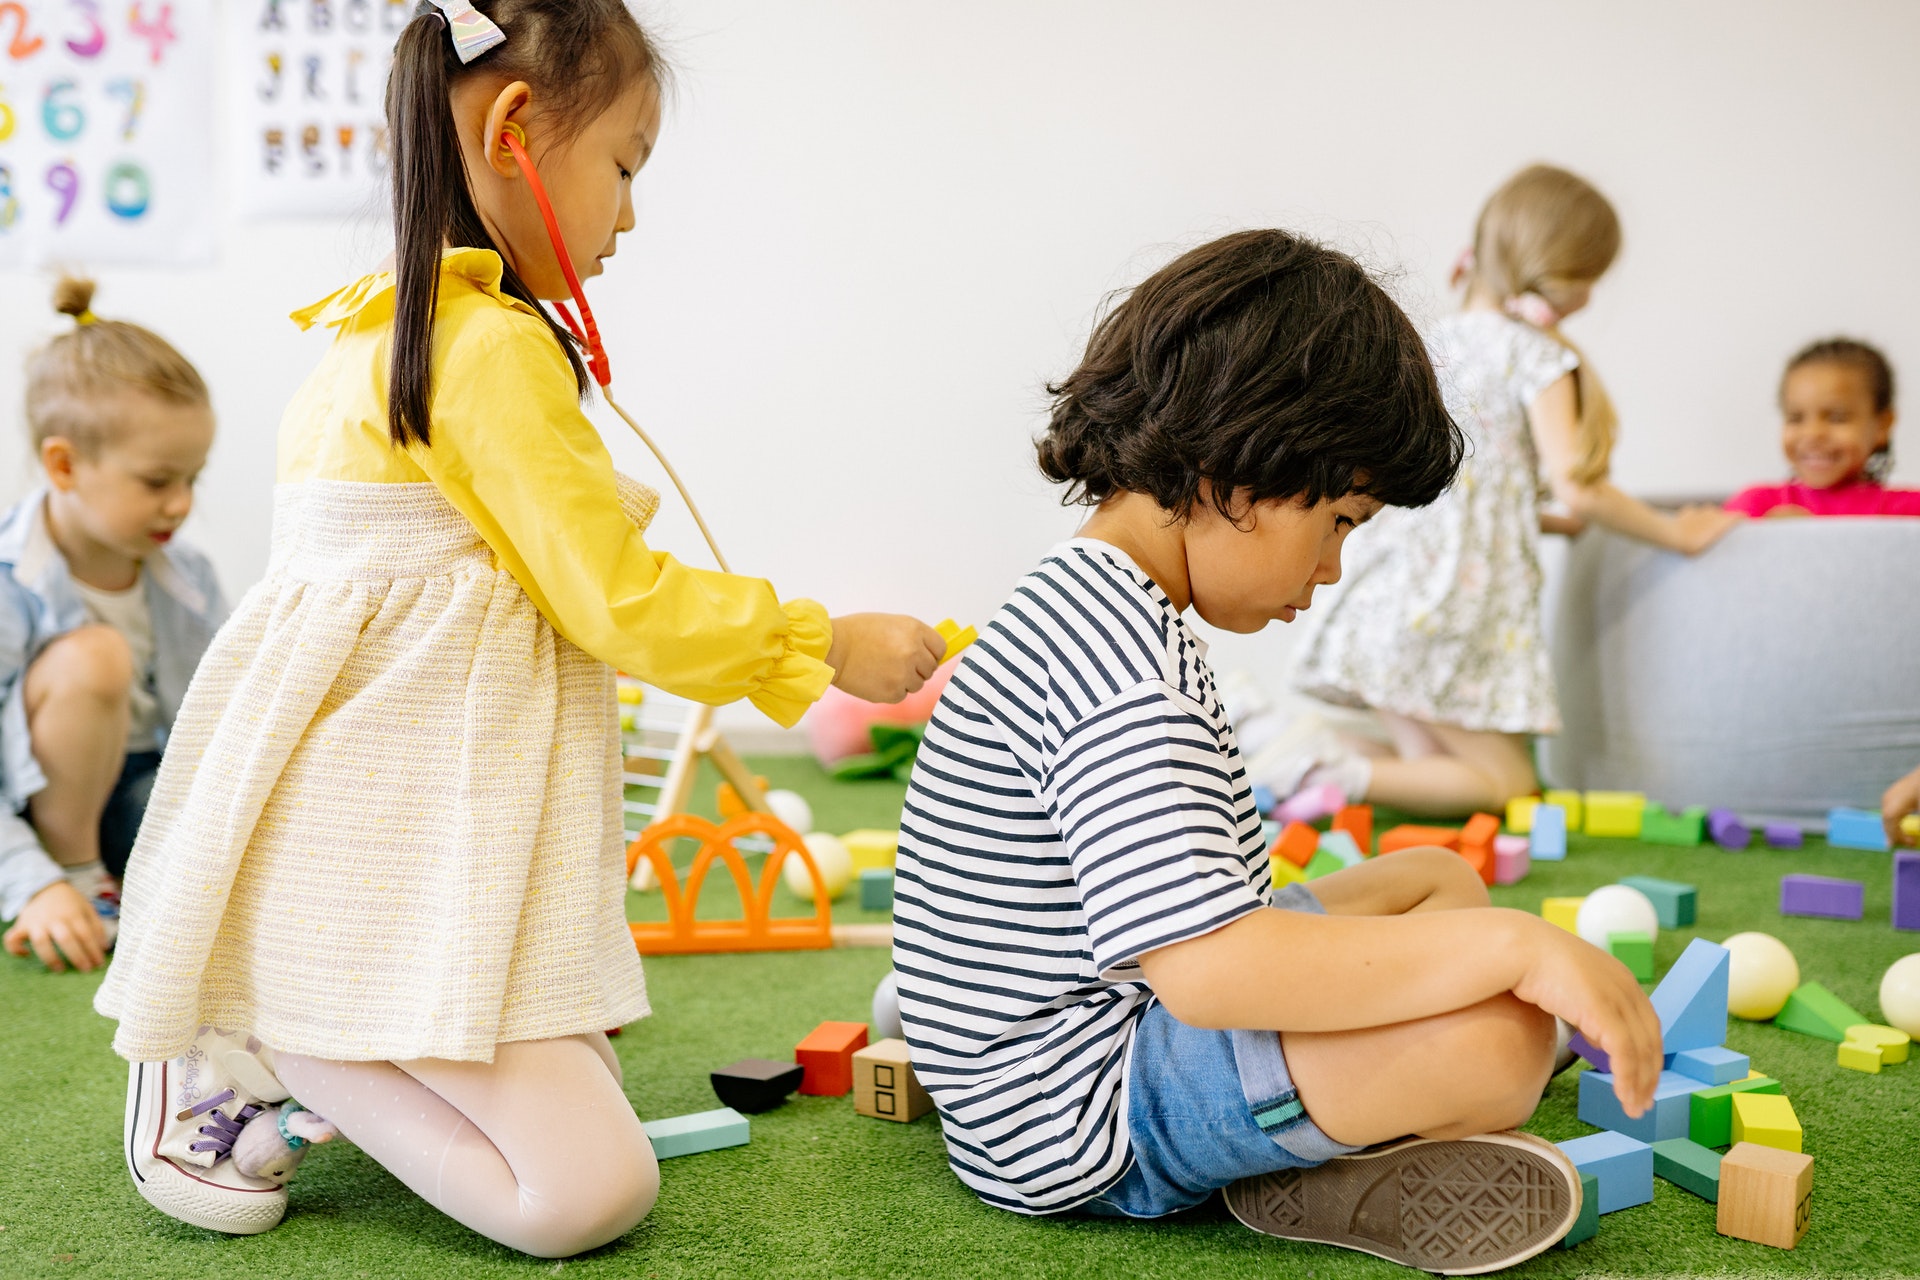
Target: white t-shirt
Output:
[(1078, 801), (126, 612)]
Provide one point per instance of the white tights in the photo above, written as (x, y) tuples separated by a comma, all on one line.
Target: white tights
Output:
[(538, 1149)]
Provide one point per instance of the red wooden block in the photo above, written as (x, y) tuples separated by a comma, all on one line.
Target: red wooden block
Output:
[(1297, 844), (1357, 821), (827, 1054), (1408, 837)]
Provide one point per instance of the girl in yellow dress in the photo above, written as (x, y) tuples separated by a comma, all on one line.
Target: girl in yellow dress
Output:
[(382, 870)]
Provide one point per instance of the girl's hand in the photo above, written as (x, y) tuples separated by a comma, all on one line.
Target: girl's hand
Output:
[(1697, 528), (1902, 798), (883, 657), (1597, 994), (58, 920)]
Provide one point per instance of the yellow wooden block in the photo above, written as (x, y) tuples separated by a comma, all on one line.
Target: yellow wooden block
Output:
[(631, 694), (957, 638), (1520, 813), (1892, 1042), (1570, 801), (1562, 911), (1859, 1057), (872, 848), (1614, 813), (1767, 1120), (1285, 873)]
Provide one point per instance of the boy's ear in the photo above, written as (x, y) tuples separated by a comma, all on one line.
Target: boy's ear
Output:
[(509, 107), (57, 457)]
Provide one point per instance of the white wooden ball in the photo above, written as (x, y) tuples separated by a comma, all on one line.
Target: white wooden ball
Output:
[(1900, 995), (791, 808), (1616, 908), (1761, 974), (835, 863)]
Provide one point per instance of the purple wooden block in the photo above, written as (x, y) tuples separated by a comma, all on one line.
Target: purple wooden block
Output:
[(1784, 835), (1727, 830), (1906, 890), (1592, 1052), (1821, 896)]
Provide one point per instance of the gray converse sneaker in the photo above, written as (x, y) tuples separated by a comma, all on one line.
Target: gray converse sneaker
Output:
[(1456, 1208), (183, 1116)]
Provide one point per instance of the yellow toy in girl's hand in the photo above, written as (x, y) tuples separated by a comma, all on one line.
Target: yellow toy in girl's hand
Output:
[(957, 638), (1760, 977), (833, 859)]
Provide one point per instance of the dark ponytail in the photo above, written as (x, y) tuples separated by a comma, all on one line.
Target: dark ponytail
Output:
[(579, 56)]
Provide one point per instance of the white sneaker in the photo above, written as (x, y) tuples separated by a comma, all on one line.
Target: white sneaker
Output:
[(1280, 757), (182, 1118)]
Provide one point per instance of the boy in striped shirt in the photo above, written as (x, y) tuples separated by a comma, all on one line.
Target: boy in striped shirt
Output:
[(1092, 962)]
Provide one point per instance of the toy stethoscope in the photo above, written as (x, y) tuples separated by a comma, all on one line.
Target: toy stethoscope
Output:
[(514, 139)]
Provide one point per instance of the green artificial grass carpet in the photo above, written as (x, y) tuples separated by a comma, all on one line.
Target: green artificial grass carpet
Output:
[(822, 1192)]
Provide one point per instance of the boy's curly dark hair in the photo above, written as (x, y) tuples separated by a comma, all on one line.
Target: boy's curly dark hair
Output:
[(1268, 366)]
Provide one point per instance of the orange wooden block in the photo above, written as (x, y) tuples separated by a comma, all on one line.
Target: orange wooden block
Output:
[(1357, 821), (1476, 844), (827, 1054), (1297, 844), (1408, 837), (1764, 1194), (1480, 858)]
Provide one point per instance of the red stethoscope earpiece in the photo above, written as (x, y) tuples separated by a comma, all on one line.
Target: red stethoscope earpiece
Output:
[(584, 328)]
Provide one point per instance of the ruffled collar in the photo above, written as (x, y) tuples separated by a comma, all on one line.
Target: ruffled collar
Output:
[(480, 268)]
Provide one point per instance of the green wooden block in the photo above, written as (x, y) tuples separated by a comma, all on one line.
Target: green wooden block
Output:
[(1689, 1166), (876, 889), (1710, 1113), (1812, 1010), (1634, 950), (1687, 828), (701, 1131), (1673, 902), (1587, 1225), (1325, 862)]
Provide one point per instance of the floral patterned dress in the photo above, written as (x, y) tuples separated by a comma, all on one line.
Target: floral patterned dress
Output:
[(1440, 617)]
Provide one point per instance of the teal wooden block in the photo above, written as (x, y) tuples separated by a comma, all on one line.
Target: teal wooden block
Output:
[(701, 1131), (1587, 1225), (1342, 846), (1674, 903), (1689, 1166), (876, 889), (1634, 950)]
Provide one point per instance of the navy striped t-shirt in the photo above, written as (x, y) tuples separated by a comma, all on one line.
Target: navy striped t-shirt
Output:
[(1078, 801)]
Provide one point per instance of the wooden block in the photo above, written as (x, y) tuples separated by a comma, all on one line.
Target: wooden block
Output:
[(1357, 821), (1569, 804), (1892, 1042), (1823, 897), (1341, 845), (1511, 859), (1614, 813), (1668, 1117), (1688, 828), (702, 1131), (1714, 1066), (754, 1085), (1764, 1194), (1634, 950), (1766, 1119), (1587, 1225), (1812, 1010), (876, 889), (872, 847), (1710, 1111), (1856, 829), (1906, 887), (1412, 837), (1548, 842), (884, 1085), (1323, 863), (1623, 1165), (1855, 1056), (1561, 911), (1688, 1165), (957, 638), (1692, 999), (827, 1054), (1675, 904), (1520, 813), (1285, 873), (1481, 828), (1727, 830), (1298, 843)]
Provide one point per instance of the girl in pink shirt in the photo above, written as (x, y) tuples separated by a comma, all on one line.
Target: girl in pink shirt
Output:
[(1836, 400)]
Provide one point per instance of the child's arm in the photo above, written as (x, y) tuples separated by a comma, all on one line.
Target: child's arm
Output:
[(1554, 416), (1901, 799), (49, 916)]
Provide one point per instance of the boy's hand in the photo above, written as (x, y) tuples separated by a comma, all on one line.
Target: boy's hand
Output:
[(883, 657), (1699, 527), (57, 921), (1597, 994), (1902, 798)]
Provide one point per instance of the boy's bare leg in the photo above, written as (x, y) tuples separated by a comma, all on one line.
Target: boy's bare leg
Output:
[(77, 715), (1473, 771)]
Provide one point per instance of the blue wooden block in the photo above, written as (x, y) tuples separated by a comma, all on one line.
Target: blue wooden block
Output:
[(876, 889), (1623, 1165), (1717, 1065), (701, 1131), (1549, 835), (1668, 1117), (1342, 846), (1263, 800), (1856, 829), (1692, 999)]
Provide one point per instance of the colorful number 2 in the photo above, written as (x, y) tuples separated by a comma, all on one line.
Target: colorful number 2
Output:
[(22, 45)]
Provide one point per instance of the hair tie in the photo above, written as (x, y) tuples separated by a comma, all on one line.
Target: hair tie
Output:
[(473, 32), (85, 318), (1462, 267), (1533, 309)]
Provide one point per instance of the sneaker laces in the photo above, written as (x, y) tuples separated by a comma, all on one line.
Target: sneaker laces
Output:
[(221, 1130)]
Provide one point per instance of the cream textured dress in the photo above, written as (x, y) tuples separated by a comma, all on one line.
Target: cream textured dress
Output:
[(388, 825)]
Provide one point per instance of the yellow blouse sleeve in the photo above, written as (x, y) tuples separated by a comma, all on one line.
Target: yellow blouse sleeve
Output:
[(514, 453)]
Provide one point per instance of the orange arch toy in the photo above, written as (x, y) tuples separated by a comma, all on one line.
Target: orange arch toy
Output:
[(681, 934)]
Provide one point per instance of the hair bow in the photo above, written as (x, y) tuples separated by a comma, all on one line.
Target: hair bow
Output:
[(473, 32)]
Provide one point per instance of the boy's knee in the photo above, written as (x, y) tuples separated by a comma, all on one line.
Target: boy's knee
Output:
[(1457, 877), (91, 661)]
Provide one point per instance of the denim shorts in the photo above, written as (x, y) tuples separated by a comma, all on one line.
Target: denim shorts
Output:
[(1205, 1108), (126, 809)]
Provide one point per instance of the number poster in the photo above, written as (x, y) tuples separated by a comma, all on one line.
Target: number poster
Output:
[(309, 112), (104, 109)]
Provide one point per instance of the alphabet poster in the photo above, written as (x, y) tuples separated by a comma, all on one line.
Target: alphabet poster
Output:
[(104, 114), (309, 129)]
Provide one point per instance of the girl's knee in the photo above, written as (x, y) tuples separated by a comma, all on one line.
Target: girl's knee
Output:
[(91, 661), (616, 1198)]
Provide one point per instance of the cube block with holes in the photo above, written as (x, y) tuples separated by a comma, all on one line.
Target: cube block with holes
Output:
[(884, 1086)]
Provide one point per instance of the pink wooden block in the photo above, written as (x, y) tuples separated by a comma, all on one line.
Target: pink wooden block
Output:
[(1510, 859), (1311, 805)]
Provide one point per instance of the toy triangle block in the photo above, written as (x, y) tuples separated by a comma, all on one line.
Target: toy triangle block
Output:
[(1692, 999), (1812, 1010)]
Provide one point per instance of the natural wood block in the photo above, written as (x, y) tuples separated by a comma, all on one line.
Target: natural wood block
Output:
[(884, 1085), (1764, 1194)]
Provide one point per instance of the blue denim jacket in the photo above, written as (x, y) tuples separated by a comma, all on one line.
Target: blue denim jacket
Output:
[(38, 604)]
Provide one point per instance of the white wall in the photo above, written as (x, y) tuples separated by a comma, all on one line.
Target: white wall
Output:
[(872, 230)]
